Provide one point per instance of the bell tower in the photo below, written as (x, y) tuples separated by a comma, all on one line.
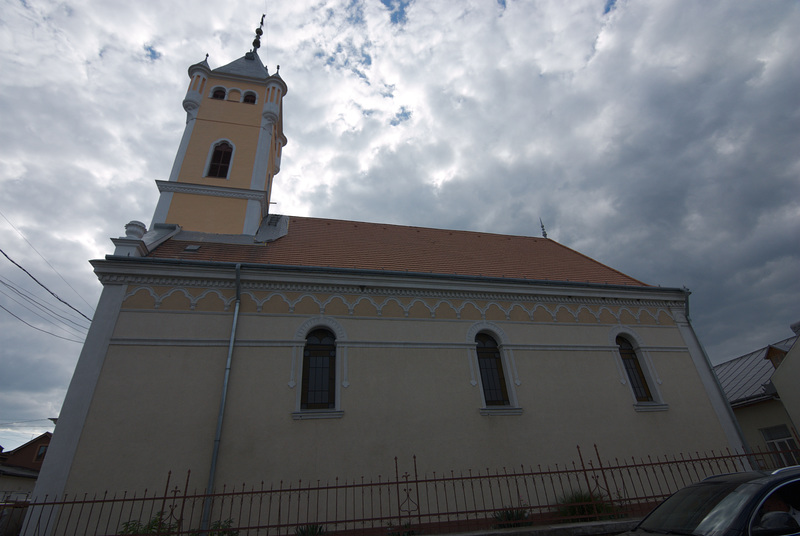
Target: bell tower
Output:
[(221, 180)]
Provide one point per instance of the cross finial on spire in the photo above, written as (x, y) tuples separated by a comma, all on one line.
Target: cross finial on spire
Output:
[(259, 33)]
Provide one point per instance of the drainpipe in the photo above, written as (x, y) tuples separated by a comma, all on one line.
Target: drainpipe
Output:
[(212, 471)]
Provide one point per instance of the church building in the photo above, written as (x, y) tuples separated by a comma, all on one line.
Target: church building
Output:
[(248, 346)]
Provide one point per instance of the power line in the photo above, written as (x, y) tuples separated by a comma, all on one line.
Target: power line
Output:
[(46, 311), (41, 305), (36, 328), (21, 422), (45, 260), (43, 286)]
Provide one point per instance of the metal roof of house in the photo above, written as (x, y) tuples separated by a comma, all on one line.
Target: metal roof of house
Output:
[(341, 244), (746, 379)]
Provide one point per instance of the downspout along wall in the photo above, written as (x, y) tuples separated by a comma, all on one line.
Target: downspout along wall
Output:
[(220, 418)]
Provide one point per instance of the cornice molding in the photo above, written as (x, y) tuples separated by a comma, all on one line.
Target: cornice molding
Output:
[(214, 191), (265, 276), (378, 344), (388, 291)]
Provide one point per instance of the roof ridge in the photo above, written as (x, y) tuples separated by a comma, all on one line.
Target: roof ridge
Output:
[(444, 229)]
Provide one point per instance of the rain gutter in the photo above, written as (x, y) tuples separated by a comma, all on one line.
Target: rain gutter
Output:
[(218, 435)]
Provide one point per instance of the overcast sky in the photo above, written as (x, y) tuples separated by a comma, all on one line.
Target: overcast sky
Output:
[(660, 138)]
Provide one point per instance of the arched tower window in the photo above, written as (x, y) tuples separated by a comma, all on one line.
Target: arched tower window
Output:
[(490, 363), (218, 94), (319, 371), (220, 160), (249, 98), (633, 368)]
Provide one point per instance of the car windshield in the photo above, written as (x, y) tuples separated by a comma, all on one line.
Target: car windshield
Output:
[(705, 509)]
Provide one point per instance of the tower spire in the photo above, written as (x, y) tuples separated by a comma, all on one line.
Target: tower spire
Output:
[(259, 33)]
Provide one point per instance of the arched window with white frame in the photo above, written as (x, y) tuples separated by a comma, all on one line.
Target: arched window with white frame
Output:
[(219, 93), (633, 368), (493, 369), (319, 369), (490, 365), (318, 388), (219, 162), (636, 370)]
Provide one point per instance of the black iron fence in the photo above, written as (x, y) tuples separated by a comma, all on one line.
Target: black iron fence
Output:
[(405, 505)]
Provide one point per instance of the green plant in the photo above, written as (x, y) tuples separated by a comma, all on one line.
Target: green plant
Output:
[(405, 530), (310, 530), (511, 517), (219, 528), (584, 506), (157, 525)]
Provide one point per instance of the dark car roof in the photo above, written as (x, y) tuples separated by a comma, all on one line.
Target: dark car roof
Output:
[(785, 473)]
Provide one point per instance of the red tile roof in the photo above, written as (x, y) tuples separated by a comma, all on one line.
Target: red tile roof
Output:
[(317, 242)]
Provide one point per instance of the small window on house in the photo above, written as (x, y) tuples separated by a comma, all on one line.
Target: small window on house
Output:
[(319, 371), (218, 94), (220, 161), (495, 392), (782, 445), (249, 98), (633, 368), (40, 452)]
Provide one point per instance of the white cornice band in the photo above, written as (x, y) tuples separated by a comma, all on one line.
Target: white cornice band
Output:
[(214, 191)]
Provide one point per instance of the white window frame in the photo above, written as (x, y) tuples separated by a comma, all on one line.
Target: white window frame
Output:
[(296, 374), (784, 443), (648, 369), (249, 92), (210, 155), (213, 89), (509, 369)]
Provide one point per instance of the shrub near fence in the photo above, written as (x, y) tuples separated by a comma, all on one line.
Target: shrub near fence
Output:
[(406, 505)]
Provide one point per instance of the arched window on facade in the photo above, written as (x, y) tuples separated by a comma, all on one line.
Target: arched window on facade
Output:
[(249, 98), (218, 94), (319, 371), (633, 368), (490, 363), (220, 160)]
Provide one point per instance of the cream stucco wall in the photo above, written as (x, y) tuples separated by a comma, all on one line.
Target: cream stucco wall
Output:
[(15, 488), (786, 379), (407, 377), (755, 417), (225, 119), (208, 214)]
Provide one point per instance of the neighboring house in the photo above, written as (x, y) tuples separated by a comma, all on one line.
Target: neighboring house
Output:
[(20, 467), (758, 394), (787, 378), (247, 346)]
